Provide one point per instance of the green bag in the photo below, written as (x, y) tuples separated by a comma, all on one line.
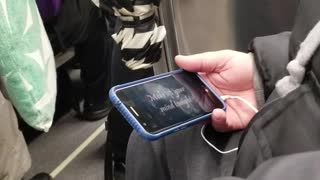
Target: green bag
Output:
[(27, 66)]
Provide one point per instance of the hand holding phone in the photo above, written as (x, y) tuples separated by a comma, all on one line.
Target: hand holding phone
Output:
[(229, 73), (166, 103)]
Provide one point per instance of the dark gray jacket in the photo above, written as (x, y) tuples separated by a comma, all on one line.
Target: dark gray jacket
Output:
[(290, 124), (285, 126)]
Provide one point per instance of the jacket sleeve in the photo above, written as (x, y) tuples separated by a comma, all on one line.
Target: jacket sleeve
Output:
[(293, 167), (271, 54)]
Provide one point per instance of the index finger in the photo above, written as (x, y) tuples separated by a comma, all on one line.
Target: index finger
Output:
[(203, 62)]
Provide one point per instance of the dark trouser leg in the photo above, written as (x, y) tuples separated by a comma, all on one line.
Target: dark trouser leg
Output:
[(118, 128), (81, 24), (95, 56)]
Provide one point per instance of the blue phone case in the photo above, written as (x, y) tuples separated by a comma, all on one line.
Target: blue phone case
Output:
[(135, 123)]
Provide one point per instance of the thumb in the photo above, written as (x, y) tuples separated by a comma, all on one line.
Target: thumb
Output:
[(204, 62), (219, 121)]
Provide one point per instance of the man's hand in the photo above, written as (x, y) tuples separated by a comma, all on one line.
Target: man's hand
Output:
[(229, 73)]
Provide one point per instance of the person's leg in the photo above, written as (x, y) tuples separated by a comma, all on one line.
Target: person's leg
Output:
[(146, 160), (94, 56), (118, 134), (81, 24), (182, 155), (118, 128)]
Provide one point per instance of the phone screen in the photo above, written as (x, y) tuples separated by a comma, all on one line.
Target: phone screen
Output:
[(168, 101)]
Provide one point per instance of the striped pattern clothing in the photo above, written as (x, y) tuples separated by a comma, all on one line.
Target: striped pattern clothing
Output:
[(141, 34)]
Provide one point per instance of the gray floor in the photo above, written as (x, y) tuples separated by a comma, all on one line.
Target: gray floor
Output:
[(50, 149)]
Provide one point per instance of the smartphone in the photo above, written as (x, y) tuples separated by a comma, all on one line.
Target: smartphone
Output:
[(165, 103)]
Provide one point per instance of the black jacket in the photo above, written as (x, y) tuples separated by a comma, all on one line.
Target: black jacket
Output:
[(283, 136), (285, 125)]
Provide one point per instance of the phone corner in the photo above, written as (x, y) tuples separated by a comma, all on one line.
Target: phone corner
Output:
[(112, 95), (112, 91), (224, 105), (147, 135)]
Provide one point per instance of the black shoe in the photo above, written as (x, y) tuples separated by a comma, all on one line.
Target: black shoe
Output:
[(94, 112), (41, 176)]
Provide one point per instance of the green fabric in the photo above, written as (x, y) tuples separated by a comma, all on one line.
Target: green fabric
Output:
[(26, 62)]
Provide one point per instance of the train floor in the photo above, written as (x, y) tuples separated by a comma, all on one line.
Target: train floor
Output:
[(72, 150)]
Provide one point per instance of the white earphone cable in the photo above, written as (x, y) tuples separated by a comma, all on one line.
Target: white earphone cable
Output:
[(213, 146), (241, 99), (204, 126)]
